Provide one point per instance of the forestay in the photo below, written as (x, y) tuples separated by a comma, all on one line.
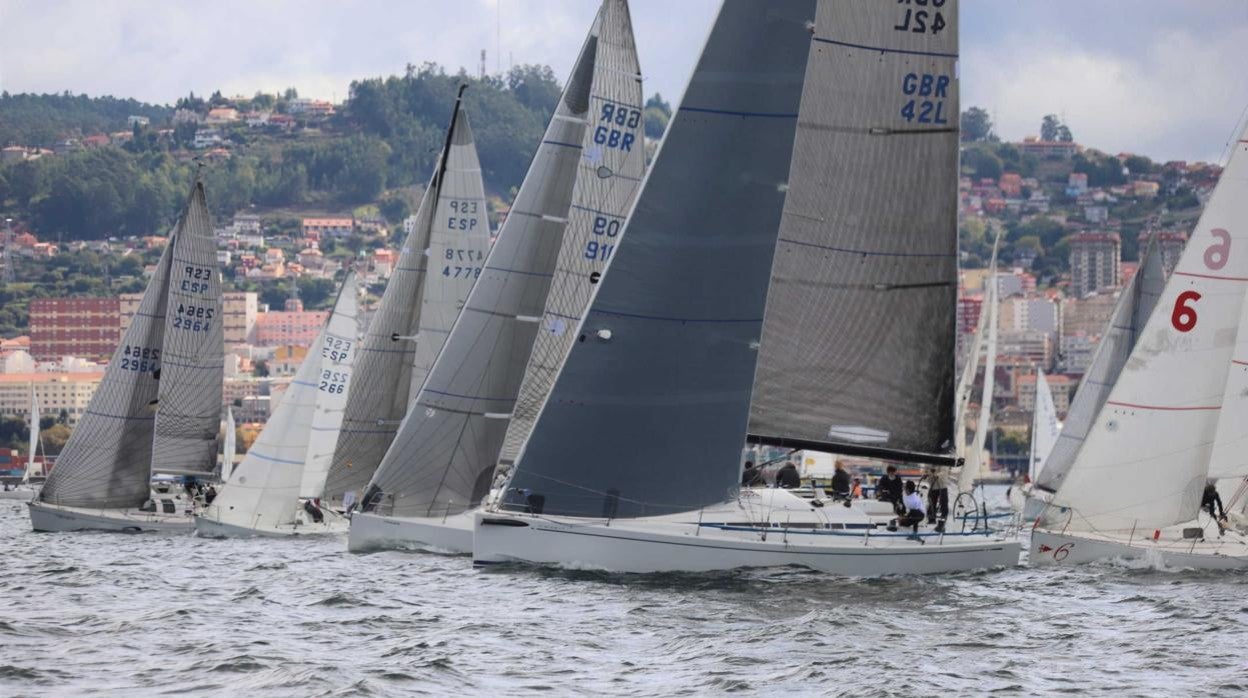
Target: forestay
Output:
[(188, 416), (264, 489), (1130, 313), (444, 456), (1145, 460), (610, 176), (648, 413), (416, 312), (857, 352)]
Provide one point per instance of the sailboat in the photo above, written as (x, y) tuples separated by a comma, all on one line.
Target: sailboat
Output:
[(1176, 418), (274, 491), (33, 472), (437, 266), (501, 356), (229, 445), (787, 277), (158, 407)]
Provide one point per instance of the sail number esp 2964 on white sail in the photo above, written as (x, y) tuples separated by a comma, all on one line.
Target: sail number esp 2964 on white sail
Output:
[(1183, 317)]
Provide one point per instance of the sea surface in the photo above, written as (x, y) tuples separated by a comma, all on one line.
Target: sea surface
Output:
[(148, 614)]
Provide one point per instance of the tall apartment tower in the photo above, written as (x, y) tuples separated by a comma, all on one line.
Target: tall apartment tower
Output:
[(1095, 263)]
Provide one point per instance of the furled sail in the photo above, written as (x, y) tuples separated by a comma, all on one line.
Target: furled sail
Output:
[(264, 489), (1126, 322), (188, 415), (443, 458), (401, 343), (1146, 458), (857, 351), (612, 166), (1044, 425), (648, 414), (106, 463), (337, 349)]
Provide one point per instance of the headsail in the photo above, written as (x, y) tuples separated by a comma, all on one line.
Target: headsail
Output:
[(188, 416), (1044, 425), (975, 454), (1127, 321), (857, 351), (648, 413), (400, 344), (106, 463), (443, 458), (1150, 446)]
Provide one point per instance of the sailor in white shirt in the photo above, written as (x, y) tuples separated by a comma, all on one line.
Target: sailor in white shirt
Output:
[(915, 510)]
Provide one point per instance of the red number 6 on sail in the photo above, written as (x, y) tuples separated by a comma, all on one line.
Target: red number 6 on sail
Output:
[(1219, 252), (1184, 316)]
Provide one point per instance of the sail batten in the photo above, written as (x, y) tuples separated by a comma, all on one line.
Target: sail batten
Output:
[(859, 331)]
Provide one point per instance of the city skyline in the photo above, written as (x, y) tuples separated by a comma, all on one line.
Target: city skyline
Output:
[(1158, 79)]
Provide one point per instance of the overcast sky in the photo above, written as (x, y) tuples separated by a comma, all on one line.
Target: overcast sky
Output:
[(1164, 78)]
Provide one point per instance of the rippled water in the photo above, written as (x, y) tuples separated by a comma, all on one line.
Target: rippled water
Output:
[(148, 614)]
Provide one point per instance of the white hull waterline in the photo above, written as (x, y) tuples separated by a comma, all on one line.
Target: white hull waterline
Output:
[(666, 546), (452, 534), (1053, 548), (332, 524), (46, 517), (765, 528)]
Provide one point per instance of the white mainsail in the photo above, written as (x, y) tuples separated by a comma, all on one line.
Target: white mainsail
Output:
[(337, 357), (229, 446), (264, 490), (975, 455), (1044, 426), (34, 438), (1145, 461), (437, 266)]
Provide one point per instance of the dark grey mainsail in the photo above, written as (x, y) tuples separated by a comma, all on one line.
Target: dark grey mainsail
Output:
[(1131, 313), (415, 313), (188, 416), (442, 460), (648, 414), (857, 352)]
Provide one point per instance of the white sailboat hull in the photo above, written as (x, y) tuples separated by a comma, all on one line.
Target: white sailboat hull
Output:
[(663, 544), (1053, 548), (452, 534), (333, 524), (53, 518)]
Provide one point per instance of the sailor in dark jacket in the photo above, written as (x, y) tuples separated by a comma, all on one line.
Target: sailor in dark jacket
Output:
[(889, 488)]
